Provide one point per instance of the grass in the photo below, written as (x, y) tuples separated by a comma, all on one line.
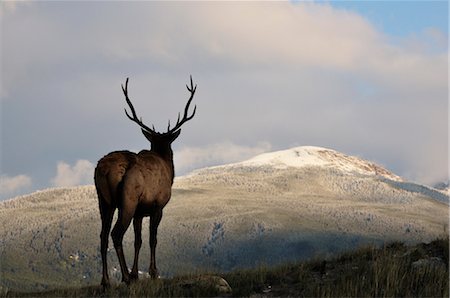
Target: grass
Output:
[(390, 271), (367, 272), (183, 286)]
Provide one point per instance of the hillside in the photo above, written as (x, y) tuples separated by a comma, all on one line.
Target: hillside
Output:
[(394, 270), (276, 207)]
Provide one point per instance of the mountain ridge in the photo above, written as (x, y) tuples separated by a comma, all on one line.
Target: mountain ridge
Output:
[(323, 158), (314, 156)]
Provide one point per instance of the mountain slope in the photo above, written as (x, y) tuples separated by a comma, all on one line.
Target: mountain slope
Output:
[(276, 207)]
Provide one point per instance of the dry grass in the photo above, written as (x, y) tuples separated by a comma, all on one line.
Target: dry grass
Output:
[(390, 271), (367, 272)]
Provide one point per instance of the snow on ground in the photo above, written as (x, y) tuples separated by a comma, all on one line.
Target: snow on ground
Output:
[(294, 157), (311, 156)]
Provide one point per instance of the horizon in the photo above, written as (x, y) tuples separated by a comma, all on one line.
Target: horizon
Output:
[(368, 79), (308, 160)]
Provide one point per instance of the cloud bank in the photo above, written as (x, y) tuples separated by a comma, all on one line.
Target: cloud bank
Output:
[(82, 172), (187, 159), (12, 185)]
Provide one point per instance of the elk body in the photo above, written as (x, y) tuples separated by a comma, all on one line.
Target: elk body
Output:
[(138, 185)]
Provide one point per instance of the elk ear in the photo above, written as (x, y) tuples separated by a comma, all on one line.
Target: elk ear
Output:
[(149, 135), (174, 135)]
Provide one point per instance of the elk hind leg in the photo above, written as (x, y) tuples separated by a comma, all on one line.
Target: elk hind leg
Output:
[(155, 219), (106, 213), (117, 234), (137, 225)]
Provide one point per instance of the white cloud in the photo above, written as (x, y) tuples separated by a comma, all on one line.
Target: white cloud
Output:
[(13, 185), (10, 6), (277, 35), (243, 35), (190, 158), (81, 173)]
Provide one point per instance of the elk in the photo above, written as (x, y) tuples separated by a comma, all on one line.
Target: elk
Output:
[(138, 185)]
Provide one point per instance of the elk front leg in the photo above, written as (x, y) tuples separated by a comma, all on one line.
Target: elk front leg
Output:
[(155, 219), (117, 234), (137, 225)]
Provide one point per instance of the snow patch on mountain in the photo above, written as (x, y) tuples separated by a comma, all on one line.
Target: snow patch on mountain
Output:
[(310, 156)]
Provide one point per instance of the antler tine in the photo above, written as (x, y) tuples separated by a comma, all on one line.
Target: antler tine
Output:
[(185, 118), (135, 118)]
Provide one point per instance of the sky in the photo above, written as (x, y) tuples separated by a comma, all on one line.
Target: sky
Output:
[(365, 78)]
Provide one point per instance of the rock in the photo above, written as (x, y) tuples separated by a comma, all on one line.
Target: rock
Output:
[(433, 262), (222, 286), (207, 282)]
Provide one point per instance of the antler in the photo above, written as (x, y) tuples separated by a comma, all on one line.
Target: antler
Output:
[(186, 118), (133, 112)]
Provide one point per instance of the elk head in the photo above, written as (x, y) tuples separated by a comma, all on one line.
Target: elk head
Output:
[(161, 142)]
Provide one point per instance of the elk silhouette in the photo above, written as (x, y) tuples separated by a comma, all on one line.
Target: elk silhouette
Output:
[(138, 185)]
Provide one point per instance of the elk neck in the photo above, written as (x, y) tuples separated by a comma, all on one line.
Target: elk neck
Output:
[(167, 156)]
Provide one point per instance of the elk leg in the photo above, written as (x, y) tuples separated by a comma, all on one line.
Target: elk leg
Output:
[(155, 219), (137, 225), (106, 213), (117, 234)]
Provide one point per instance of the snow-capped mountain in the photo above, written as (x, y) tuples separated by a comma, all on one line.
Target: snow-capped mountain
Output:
[(273, 208), (337, 172), (310, 156)]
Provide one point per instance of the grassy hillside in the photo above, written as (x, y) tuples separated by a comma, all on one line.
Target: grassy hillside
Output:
[(394, 270)]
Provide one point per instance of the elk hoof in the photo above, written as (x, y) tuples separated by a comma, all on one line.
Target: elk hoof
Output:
[(134, 276), (105, 285), (153, 273), (126, 280)]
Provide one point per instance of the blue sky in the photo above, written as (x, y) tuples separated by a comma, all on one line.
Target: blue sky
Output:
[(401, 18), (364, 78)]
